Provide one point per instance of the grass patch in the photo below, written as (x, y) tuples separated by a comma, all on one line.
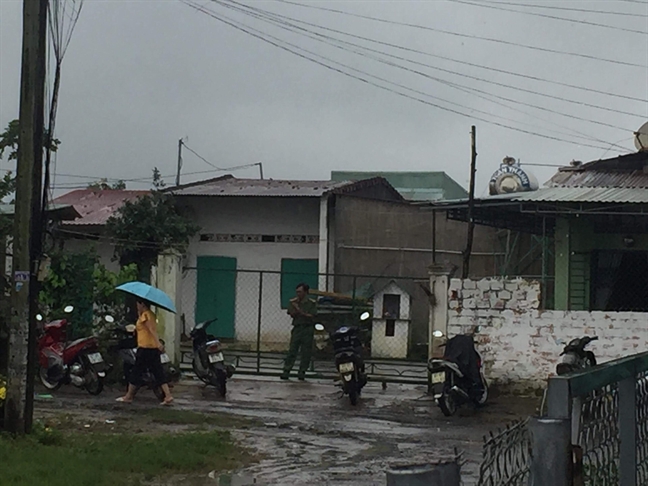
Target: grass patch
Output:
[(56, 458)]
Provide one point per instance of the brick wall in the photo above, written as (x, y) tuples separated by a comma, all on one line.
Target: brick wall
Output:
[(520, 343)]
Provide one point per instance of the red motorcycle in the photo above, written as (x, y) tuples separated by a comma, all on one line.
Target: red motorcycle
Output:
[(78, 362)]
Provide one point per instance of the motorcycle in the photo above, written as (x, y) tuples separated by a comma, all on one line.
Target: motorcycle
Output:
[(349, 363), (458, 378), (208, 362), (78, 362), (575, 357), (124, 346)]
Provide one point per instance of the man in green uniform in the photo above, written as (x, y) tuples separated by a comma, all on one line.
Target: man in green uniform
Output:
[(303, 311)]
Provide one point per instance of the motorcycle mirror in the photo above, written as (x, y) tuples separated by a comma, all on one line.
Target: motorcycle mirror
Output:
[(68, 309), (110, 319), (39, 317), (319, 327), (437, 334), (365, 316)]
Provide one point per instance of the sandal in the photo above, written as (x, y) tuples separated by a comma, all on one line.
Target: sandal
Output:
[(123, 400), (167, 402)]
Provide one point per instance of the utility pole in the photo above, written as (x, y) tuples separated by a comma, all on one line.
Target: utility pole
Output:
[(471, 203), (260, 164), (26, 242), (179, 162)]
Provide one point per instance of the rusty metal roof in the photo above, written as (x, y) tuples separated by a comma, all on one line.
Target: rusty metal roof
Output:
[(94, 206), (623, 171), (231, 186), (632, 195)]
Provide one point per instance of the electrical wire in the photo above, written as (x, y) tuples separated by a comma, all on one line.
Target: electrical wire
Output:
[(569, 9), (546, 16), (470, 90), (465, 36), (294, 50), (201, 157), (450, 59), (462, 88)]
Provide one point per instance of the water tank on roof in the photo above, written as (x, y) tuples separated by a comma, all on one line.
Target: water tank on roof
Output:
[(511, 178)]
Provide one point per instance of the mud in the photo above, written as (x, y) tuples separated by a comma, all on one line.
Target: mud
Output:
[(307, 434)]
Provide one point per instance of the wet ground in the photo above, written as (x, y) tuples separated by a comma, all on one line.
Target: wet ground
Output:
[(306, 434)]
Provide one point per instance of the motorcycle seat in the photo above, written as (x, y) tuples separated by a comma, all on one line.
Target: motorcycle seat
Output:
[(58, 324)]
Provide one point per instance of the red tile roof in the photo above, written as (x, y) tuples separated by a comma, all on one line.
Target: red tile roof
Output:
[(95, 206)]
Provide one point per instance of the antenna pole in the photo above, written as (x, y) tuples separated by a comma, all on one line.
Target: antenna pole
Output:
[(260, 164), (179, 162), (471, 202)]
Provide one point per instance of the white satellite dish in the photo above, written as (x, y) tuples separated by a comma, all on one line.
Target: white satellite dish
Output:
[(641, 137)]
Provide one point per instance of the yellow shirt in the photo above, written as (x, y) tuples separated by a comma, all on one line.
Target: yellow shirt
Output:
[(145, 338)]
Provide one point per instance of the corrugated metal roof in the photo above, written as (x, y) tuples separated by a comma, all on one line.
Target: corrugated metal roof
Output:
[(599, 178), (56, 211), (230, 186), (584, 195), (96, 207)]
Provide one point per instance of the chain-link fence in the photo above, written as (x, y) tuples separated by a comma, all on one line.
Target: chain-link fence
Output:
[(506, 457), (642, 428), (251, 312)]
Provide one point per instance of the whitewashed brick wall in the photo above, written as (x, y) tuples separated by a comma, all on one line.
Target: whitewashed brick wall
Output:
[(520, 343)]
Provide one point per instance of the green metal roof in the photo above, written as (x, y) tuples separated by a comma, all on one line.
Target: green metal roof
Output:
[(414, 186)]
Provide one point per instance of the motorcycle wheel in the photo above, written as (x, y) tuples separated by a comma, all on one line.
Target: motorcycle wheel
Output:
[(52, 386), (219, 381), (353, 393), (202, 376), (447, 405), (94, 383), (484, 396)]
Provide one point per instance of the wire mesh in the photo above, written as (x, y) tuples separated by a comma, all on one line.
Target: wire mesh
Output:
[(642, 428), (506, 457), (598, 436), (251, 308)]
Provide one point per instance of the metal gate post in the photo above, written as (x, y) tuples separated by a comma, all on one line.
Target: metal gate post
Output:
[(259, 316), (628, 432), (551, 457)]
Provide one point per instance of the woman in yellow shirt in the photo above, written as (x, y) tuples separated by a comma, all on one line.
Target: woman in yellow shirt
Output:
[(149, 348)]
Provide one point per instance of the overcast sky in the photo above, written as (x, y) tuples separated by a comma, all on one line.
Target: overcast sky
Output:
[(141, 74)]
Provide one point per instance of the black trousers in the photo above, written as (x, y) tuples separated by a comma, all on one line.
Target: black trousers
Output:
[(148, 359)]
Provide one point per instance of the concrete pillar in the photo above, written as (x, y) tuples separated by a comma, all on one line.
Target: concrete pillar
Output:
[(168, 277), (325, 263), (439, 275)]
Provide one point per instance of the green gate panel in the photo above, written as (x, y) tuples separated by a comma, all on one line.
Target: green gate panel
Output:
[(216, 294), (294, 272)]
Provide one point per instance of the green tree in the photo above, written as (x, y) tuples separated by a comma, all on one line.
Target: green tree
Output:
[(80, 280), (9, 140), (104, 185), (147, 226)]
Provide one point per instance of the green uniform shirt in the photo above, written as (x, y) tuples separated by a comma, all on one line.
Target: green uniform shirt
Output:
[(308, 306)]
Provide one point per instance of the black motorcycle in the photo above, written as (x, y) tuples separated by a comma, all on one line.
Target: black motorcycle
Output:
[(347, 348), (123, 346), (208, 360), (575, 357), (458, 378)]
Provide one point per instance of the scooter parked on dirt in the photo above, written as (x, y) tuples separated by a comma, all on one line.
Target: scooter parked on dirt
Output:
[(124, 346), (349, 363), (458, 378), (208, 360), (78, 362)]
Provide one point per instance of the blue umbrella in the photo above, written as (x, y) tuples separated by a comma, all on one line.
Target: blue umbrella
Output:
[(150, 294)]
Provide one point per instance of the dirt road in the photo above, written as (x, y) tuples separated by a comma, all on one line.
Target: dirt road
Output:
[(305, 434)]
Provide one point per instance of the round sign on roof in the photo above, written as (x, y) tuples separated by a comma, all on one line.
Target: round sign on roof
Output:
[(511, 178), (641, 138)]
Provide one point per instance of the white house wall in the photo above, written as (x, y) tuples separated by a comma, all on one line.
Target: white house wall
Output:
[(253, 216)]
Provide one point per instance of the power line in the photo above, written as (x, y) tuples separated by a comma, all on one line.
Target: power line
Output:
[(480, 66), (266, 38), (569, 9), (201, 157), (466, 36), (282, 24), (462, 88), (553, 17)]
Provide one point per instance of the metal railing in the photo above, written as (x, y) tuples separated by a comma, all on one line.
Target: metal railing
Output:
[(595, 432), (506, 457)]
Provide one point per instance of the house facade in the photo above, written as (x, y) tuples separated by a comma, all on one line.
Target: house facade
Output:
[(259, 239), (594, 218)]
